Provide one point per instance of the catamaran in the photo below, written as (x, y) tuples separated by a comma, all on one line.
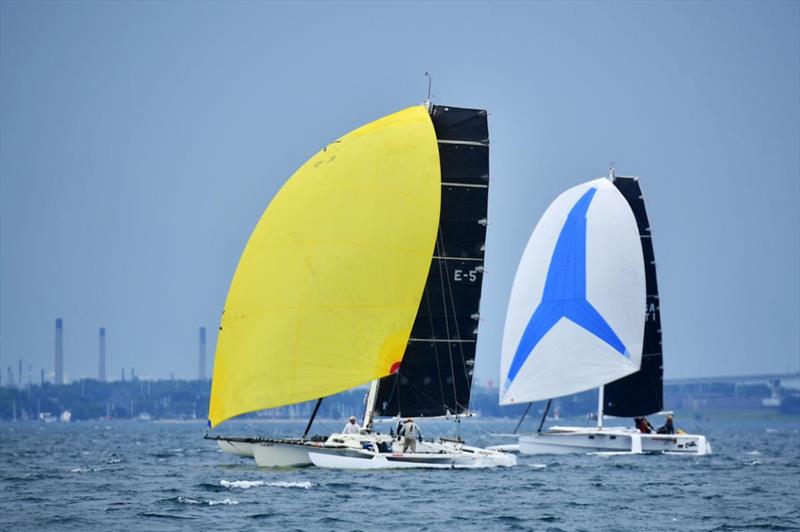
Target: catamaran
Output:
[(366, 267), (584, 313)]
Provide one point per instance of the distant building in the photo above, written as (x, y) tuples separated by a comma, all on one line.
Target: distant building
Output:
[(59, 352), (101, 370)]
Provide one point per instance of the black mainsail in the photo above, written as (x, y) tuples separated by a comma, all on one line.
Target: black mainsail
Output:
[(641, 393), (435, 377)]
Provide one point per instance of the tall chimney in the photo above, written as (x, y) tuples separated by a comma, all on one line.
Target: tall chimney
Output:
[(101, 373), (201, 356), (59, 351)]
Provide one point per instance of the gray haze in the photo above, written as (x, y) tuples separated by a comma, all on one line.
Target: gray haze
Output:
[(140, 142)]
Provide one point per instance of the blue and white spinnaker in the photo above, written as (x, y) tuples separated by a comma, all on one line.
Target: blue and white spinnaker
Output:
[(576, 314)]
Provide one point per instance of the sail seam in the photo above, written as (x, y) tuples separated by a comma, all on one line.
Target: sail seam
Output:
[(463, 142), (465, 185)]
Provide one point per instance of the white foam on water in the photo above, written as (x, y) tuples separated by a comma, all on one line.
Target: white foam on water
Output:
[(187, 500), (241, 484), (247, 484), (754, 463), (85, 469), (223, 501), (306, 485), (537, 466), (754, 453)]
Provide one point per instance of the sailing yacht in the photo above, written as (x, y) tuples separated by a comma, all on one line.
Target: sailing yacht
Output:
[(336, 288), (584, 313)]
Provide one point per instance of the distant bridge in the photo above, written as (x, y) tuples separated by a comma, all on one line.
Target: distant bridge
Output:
[(738, 379)]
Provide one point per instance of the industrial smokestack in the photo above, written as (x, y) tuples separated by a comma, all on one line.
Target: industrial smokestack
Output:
[(59, 351), (201, 356), (101, 372)]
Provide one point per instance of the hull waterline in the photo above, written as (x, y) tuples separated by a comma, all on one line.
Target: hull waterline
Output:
[(583, 440)]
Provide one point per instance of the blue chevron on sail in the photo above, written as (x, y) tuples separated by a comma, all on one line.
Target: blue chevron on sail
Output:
[(565, 290)]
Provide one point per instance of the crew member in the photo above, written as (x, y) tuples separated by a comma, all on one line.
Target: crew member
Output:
[(351, 427), (644, 426), (668, 427), (409, 432)]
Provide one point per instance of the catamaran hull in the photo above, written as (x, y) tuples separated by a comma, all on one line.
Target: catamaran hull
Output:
[(411, 460), (567, 440)]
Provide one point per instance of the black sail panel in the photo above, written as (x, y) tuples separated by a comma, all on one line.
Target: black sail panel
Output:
[(435, 376), (641, 393)]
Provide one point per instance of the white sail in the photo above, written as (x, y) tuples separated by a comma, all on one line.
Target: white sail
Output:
[(576, 314)]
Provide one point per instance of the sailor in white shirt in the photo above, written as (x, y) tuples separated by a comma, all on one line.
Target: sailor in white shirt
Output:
[(351, 427)]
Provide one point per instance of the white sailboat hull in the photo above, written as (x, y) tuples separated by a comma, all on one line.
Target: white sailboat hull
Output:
[(237, 448), (277, 454), (367, 460), (616, 440), (444, 454)]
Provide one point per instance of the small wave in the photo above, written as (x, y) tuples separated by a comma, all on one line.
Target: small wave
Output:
[(162, 516), (537, 466), (753, 463), (306, 485), (261, 516), (753, 453), (85, 469), (241, 484), (114, 461), (247, 484), (188, 500), (223, 501)]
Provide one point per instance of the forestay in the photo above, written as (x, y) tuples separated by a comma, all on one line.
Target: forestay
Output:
[(326, 291), (575, 317)]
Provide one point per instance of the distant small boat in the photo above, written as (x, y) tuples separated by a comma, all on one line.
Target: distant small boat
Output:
[(366, 267), (584, 312)]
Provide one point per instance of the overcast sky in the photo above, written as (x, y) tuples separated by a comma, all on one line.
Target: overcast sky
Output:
[(140, 142)]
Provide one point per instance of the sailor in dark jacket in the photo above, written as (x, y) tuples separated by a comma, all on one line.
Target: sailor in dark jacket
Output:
[(668, 427)]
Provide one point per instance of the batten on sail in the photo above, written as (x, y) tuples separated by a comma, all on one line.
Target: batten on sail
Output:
[(641, 393), (435, 377), (328, 286), (575, 318)]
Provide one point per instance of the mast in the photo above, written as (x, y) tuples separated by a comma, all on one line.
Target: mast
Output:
[(372, 396), (600, 407)]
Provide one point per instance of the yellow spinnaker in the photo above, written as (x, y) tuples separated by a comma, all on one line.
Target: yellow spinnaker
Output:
[(327, 289)]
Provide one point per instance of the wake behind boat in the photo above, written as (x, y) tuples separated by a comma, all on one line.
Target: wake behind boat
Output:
[(585, 312)]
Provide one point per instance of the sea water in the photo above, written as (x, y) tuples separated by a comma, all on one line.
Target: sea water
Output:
[(124, 475)]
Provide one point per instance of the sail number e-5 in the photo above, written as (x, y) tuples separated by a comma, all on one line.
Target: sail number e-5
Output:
[(461, 275)]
